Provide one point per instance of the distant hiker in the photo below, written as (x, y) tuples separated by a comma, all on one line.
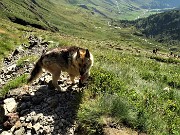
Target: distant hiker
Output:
[(171, 53), (155, 50)]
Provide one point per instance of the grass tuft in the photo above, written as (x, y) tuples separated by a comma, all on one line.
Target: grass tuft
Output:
[(15, 83)]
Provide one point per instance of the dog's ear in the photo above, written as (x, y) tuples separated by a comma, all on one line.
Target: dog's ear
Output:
[(87, 54), (78, 54)]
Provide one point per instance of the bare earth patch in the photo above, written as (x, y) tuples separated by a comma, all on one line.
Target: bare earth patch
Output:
[(2, 31)]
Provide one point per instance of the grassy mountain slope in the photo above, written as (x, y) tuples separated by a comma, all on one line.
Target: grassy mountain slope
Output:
[(46, 15), (130, 86), (163, 27), (125, 9), (26, 12)]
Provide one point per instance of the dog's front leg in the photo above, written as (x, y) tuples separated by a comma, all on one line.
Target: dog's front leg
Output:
[(55, 78)]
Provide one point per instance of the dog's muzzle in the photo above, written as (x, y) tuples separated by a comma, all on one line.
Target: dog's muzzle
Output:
[(83, 78), (82, 71), (81, 82)]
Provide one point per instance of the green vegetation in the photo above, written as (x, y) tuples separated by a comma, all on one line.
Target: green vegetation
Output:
[(163, 27), (11, 36), (15, 83), (136, 91), (130, 86), (22, 61)]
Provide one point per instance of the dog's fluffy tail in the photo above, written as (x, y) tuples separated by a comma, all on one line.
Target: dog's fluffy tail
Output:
[(36, 72)]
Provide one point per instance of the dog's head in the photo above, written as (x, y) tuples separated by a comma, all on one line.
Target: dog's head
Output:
[(83, 61)]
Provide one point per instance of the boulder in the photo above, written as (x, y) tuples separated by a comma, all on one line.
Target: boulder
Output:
[(10, 105)]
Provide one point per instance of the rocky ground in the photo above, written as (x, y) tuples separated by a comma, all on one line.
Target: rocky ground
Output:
[(38, 108)]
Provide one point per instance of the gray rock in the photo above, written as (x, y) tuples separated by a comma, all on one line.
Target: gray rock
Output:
[(24, 111), (37, 126), (63, 120), (57, 127), (29, 132), (53, 102), (35, 118), (28, 119), (22, 119), (13, 129), (59, 131), (47, 129), (10, 104), (26, 98), (33, 113), (56, 117), (60, 124), (8, 76), (6, 133), (20, 131), (1, 81), (49, 120), (29, 125), (23, 106), (37, 99), (11, 69)]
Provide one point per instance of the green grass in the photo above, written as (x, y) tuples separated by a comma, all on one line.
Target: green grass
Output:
[(15, 83), (6, 44), (137, 91), (140, 91), (11, 36), (20, 62)]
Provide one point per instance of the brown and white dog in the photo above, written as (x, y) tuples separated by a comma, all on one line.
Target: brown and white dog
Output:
[(74, 60)]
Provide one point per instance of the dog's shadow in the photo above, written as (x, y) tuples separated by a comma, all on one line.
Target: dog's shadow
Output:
[(50, 107)]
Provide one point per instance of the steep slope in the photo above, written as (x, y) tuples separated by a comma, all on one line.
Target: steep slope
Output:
[(125, 9), (75, 14), (129, 85), (163, 27), (51, 15), (27, 12)]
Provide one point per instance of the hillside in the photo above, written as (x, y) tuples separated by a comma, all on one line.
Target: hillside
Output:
[(132, 89), (163, 27), (45, 15), (125, 9)]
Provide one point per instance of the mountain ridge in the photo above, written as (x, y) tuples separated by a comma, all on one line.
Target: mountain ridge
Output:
[(163, 27)]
